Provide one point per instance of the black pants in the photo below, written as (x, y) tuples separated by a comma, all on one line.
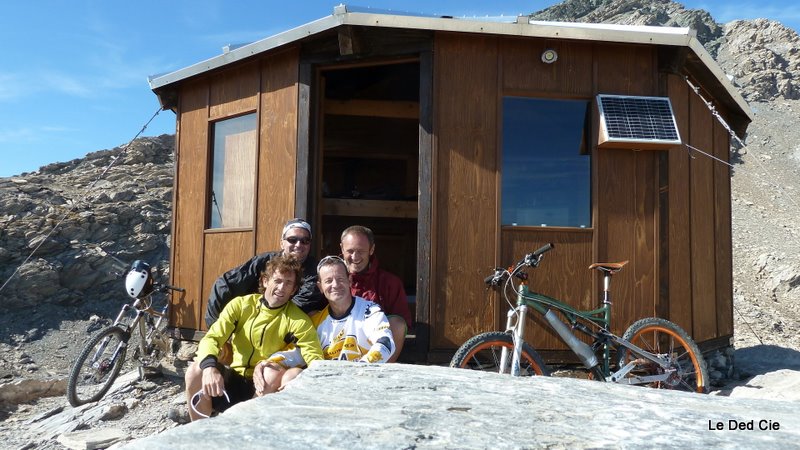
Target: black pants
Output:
[(238, 388)]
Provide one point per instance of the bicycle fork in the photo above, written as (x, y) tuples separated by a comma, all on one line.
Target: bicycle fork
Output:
[(103, 364), (516, 326)]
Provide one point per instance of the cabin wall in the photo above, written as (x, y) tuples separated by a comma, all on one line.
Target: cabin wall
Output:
[(267, 87), (700, 247), (642, 200), (627, 192), (465, 240), (665, 212), (189, 190)]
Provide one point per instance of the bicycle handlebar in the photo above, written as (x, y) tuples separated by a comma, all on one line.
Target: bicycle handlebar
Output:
[(173, 288), (543, 249), (531, 259)]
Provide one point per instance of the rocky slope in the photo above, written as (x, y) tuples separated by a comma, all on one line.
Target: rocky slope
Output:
[(86, 219), (72, 285)]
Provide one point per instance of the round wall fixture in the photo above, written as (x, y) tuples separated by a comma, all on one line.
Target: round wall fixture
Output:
[(549, 56)]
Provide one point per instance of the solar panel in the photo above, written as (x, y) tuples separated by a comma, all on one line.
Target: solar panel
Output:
[(636, 122)]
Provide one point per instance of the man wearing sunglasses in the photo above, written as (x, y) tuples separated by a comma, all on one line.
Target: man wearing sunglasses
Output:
[(349, 328), (243, 280)]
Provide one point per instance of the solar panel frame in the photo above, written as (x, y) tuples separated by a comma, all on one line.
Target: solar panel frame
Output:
[(627, 120)]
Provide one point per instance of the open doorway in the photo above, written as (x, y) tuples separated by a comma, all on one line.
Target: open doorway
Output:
[(369, 161)]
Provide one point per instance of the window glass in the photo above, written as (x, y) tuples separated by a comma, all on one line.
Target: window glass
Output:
[(546, 177), (233, 173)]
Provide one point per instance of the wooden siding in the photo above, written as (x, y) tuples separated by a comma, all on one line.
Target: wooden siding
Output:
[(702, 226), (625, 69), (201, 256), (523, 70), (722, 237), (626, 229), (278, 149), (426, 186), (466, 230), (627, 197), (233, 91), (564, 274), (189, 213), (222, 250), (680, 263)]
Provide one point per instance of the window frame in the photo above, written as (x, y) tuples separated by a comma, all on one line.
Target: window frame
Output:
[(248, 186), (585, 150)]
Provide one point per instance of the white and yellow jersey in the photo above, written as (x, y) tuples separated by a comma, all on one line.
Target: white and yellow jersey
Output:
[(363, 334)]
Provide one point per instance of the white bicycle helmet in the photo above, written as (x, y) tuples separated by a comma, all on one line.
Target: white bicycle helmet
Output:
[(139, 282)]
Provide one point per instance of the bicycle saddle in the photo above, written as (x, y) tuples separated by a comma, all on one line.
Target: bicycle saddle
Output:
[(611, 268)]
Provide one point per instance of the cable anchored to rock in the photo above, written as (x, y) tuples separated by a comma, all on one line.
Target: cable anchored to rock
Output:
[(75, 203)]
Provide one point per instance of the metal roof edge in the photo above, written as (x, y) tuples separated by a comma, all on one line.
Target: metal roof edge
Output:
[(246, 51), (344, 15), (721, 77), (561, 30)]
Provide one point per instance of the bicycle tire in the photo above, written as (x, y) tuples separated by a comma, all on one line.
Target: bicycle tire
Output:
[(660, 336), (482, 352), (97, 367)]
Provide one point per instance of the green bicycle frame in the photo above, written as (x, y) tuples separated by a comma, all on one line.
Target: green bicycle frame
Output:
[(601, 317)]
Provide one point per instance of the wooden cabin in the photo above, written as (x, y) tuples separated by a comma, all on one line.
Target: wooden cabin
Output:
[(465, 144)]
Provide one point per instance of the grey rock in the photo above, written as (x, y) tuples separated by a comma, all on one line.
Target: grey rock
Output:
[(114, 411), (28, 389), (783, 384), (178, 414), (403, 406), (92, 439), (67, 266)]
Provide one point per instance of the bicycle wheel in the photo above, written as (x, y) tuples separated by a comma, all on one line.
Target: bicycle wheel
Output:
[(483, 352), (97, 366), (664, 338)]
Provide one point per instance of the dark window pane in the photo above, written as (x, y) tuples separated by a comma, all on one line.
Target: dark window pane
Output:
[(546, 168), (233, 173)]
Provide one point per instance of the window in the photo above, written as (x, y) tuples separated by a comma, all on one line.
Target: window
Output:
[(546, 178), (233, 172)]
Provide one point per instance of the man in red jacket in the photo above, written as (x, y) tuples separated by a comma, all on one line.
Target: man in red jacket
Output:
[(368, 281)]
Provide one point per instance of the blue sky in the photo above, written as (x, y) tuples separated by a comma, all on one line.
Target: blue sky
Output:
[(73, 77)]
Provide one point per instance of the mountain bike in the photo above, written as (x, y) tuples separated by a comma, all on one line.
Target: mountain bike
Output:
[(652, 352), (144, 318)]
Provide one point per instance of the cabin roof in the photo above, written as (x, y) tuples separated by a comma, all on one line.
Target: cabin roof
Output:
[(521, 27)]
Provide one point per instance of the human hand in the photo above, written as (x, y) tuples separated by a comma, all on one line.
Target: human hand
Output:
[(213, 384), (258, 379)]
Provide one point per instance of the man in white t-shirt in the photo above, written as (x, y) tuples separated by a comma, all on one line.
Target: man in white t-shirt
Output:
[(349, 328)]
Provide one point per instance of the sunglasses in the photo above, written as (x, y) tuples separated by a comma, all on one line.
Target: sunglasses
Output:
[(294, 240)]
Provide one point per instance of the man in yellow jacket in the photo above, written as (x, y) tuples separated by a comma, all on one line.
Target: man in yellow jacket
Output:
[(259, 325)]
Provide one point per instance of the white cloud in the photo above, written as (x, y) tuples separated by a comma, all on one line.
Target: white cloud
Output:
[(66, 84), (33, 134), (11, 87), (18, 135), (57, 129)]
